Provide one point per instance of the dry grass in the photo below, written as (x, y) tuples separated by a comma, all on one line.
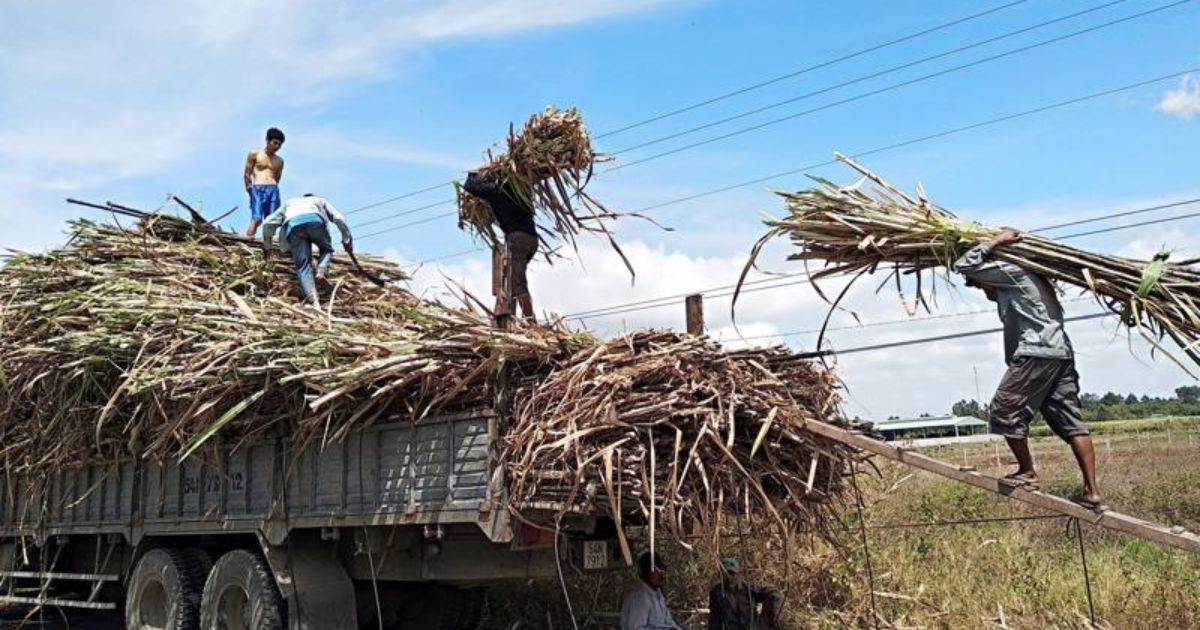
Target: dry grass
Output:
[(959, 576)]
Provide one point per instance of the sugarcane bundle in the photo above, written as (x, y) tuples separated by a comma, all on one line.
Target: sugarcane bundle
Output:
[(150, 341), (546, 166), (871, 226), (670, 432)]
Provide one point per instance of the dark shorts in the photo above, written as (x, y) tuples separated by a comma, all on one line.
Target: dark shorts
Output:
[(519, 249), (1034, 384), (264, 199)]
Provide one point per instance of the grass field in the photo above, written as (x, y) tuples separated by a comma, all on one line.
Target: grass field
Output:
[(1018, 574), (1029, 574)]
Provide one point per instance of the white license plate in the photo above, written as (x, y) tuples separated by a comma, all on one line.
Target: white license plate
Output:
[(595, 554)]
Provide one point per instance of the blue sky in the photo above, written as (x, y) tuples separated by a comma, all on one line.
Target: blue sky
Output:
[(381, 98)]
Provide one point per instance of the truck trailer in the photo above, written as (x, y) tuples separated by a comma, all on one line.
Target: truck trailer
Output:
[(399, 525)]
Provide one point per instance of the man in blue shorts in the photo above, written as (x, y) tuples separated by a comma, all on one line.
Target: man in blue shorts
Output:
[(264, 169)]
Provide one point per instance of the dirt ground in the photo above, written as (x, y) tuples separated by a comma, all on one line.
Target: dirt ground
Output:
[(14, 617)]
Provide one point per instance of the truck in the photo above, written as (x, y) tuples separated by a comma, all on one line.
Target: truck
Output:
[(399, 525)]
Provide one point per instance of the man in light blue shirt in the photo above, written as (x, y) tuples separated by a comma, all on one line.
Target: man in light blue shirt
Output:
[(305, 223), (645, 608), (1041, 372)]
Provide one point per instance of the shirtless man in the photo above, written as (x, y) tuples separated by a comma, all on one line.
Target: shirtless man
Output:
[(263, 171)]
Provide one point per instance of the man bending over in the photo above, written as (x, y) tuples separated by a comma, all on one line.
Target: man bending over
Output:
[(305, 222)]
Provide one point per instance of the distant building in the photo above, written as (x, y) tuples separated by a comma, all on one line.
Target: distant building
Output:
[(906, 429)]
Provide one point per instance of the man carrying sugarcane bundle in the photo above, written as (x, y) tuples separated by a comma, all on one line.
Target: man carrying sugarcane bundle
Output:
[(733, 603), (1041, 372), (305, 222), (514, 214)]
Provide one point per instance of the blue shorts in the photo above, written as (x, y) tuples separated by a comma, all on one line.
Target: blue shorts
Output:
[(264, 199)]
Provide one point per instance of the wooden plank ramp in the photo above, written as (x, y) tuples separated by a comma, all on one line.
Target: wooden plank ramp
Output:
[(1175, 537)]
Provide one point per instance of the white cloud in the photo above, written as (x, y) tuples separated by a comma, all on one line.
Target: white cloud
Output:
[(103, 92), (902, 381), (1184, 101), (327, 144)]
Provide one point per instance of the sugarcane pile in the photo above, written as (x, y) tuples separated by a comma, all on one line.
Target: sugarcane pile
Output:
[(871, 226), (547, 165), (671, 426), (160, 340)]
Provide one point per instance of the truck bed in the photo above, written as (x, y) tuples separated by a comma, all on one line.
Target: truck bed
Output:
[(437, 470)]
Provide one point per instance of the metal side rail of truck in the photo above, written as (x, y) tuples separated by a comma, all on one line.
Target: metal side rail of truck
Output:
[(401, 525)]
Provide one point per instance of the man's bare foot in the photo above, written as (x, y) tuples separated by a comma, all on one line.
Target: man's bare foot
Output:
[(1092, 501), (1021, 478)]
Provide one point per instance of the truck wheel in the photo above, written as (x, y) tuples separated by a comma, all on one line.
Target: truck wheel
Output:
[(164, 592), (240, 594)]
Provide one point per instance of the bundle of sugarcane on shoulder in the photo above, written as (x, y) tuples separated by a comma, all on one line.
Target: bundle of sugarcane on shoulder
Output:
[(871, 226), (163, 340), (534, 193)]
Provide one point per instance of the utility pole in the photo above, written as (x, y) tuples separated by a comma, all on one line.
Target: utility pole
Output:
[(694, 313)]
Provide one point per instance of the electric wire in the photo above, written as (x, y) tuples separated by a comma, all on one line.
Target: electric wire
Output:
[(894, 86)]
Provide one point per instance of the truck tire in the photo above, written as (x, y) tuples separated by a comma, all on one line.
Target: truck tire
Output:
[(164, 591), (240, 594)]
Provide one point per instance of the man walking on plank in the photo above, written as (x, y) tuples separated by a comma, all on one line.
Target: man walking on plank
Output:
[(264, 170), (305, 222), (514, 215), (1041, 372)]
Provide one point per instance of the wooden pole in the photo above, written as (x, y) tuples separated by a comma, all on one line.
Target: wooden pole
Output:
[(694, 307)]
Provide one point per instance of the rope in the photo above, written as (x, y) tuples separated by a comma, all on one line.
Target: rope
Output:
[(1073, 524), (862, 528)]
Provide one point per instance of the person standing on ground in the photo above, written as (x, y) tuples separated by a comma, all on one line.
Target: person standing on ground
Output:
[(645, 608), (305, 222), (264, 170), (514, 215), (733, 603), (1041, 372)]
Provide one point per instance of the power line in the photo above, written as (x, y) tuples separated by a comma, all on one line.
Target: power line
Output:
[(1115, 215), (920, 139), (671, 300), (894, 86), (923, 340), (404, 213), (866, 77), (889, 147), (454, 255), (398, 197), (1133, 225), (889, 322), (807, 69), (748, 88), (408, 225)]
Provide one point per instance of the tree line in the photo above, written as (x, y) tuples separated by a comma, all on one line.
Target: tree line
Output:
[(1114, 406)]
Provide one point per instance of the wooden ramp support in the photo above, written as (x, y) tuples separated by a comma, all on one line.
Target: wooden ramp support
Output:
[(1174, 537)]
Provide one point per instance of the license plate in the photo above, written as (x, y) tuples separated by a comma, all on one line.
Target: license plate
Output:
[(595, 554)]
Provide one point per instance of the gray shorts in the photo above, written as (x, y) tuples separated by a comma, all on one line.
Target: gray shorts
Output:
[(520, 248), (1034, 384)]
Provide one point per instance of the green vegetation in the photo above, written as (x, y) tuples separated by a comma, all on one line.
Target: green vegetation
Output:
[(1114, 406)]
